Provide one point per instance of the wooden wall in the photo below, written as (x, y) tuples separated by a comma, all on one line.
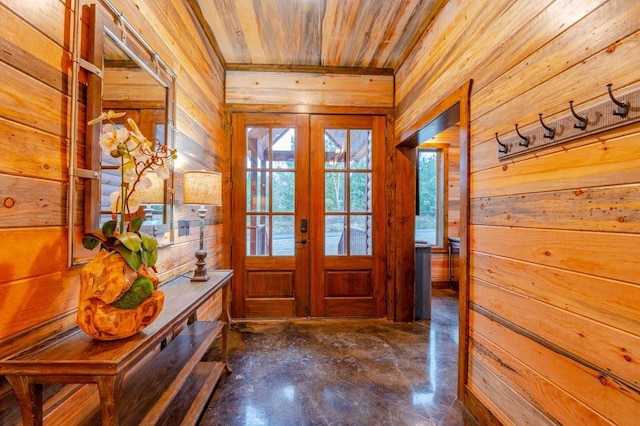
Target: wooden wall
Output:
[(554, 278), (308, 89), (36, 285)]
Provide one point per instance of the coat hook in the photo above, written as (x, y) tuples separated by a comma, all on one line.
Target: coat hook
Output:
[(582, 121), (622, 107), (550, 131), (525, 139), (503, 146)]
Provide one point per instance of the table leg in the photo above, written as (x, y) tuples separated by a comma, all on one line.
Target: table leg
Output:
[(108, 386), (30, 399), (226, 318)]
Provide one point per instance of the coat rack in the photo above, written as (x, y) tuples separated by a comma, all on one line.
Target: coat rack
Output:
[(612, 112)]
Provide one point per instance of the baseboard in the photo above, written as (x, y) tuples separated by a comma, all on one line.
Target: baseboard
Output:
[(441, 285), (484, 416)]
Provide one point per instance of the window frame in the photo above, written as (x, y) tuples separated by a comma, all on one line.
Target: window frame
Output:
[(442, 204)]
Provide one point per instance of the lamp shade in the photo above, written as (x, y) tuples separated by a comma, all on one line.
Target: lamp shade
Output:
[(202, 187), (153, 194)]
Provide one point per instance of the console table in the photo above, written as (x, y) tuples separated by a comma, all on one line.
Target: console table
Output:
[(146, 394)]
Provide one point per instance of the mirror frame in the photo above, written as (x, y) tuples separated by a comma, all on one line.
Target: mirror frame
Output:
[(122, 33)]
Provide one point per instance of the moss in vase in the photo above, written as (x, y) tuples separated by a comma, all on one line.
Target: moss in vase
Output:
[(141, 288)]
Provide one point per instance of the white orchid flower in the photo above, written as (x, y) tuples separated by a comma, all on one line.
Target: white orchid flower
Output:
[(112, 137), (140, 151), (129, 173), (133, 203), (114, 197), (144, 183), (141, 155), (109, 115), (163, 173)]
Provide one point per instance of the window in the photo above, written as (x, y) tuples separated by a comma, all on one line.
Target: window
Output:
[(430, 206)]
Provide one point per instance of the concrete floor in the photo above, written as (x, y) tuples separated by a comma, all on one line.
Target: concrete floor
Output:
[(343, 372)]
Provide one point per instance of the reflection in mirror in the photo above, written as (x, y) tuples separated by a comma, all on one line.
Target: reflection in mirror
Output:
[(128, 88), (123, 74)]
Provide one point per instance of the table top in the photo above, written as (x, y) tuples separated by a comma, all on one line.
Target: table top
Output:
[(75, 353)]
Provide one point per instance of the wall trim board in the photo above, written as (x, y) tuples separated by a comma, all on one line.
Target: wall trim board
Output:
[(309, 109), (551, 346), (312, 69)]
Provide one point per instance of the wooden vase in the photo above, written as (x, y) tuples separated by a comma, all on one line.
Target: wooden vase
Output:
[(103, 281)]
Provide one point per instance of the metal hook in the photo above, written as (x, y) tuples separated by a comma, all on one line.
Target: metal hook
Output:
[(503, 146), (119, 22), (622, 107), (154, 60), (525, 139), (582, 121), (550, 131)]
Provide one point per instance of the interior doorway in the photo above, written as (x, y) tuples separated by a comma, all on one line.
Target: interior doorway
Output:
[(451, 113), (308, 215)]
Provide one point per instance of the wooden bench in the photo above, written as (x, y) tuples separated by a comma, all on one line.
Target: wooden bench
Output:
[(135, 386)]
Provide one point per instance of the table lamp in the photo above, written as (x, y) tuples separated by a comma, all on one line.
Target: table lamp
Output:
[(152, 195), (203, 188)]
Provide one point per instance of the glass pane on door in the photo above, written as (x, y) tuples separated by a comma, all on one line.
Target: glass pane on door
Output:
[(360, 152), (334, 191), (283, 235), (335, 146), (334, 235), (283, 146), (257, 191), (257, 235)]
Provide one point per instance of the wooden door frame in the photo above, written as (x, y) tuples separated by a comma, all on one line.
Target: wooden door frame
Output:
[(404, 221), (228, 186)]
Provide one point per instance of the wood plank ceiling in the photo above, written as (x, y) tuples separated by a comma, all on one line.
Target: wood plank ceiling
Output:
[(373, 35)]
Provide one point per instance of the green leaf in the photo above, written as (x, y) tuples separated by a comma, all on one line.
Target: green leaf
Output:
[(90, 242), (130, 240), (133, 259), (150, 257), (136, 223), (108, 227), (149, 243), (111, 242), (96, 234)]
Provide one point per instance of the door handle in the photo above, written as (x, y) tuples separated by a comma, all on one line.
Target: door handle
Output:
[(303, 225), (303, 241)]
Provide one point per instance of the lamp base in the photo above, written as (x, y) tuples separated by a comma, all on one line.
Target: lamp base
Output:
[(200, 274)]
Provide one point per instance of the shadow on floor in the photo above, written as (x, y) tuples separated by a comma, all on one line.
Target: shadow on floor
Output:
[(343, 372)]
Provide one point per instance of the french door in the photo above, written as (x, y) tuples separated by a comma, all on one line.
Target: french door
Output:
[(307, 215)]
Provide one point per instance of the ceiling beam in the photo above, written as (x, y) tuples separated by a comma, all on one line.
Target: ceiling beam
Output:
[(309, 69)]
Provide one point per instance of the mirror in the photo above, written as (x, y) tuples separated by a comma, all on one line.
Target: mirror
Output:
[(125, 75), (128, 88)]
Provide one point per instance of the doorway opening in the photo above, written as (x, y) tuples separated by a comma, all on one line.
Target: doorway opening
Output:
[(445, 131)]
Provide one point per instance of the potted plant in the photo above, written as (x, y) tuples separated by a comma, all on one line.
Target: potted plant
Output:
[(118, 291)]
